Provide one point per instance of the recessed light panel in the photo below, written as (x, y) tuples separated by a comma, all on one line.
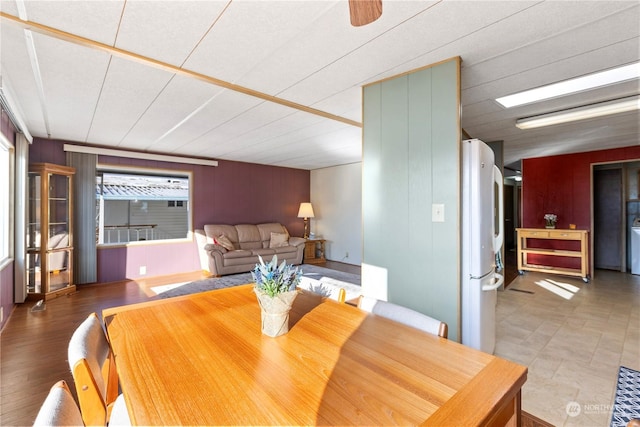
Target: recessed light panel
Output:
[(622, 105), (579, 84)]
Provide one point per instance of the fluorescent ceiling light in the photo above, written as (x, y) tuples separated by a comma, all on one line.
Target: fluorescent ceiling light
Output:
[(579, 84), (580, 113)]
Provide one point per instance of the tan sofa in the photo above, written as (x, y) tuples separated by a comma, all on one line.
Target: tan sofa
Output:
[(248, 242)]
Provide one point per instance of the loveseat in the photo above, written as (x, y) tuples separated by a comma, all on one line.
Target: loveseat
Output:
[(229, 249)]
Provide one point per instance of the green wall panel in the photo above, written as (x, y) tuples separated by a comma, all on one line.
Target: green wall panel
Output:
[(411, 160)]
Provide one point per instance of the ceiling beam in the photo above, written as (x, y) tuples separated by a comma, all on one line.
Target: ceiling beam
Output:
[(131, 56)]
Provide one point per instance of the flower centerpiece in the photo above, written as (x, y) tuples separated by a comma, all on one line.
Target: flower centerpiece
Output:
[(276, 290), (551, 220)]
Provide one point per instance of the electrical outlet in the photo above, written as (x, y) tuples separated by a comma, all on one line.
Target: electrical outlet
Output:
[(143, 270), (346, 255)]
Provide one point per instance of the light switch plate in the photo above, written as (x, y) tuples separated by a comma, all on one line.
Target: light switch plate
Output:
[(437, 212)]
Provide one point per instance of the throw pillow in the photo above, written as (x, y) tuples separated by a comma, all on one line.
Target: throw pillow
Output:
[(224, 241), (278, 240)]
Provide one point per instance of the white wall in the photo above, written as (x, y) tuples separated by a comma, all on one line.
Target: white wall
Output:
[(336, 196)]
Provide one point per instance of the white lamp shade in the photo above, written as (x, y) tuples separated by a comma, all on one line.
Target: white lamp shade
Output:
[(305, 211)]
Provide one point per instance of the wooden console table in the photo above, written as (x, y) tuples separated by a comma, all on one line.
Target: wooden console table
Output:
[(524, 250), (310, 248)]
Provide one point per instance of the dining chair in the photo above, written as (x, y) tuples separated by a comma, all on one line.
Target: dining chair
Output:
[(59, 408), (404, 315), (94, 373), (325, 289)]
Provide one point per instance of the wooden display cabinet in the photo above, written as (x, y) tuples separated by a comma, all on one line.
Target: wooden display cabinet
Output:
[(49, 261)]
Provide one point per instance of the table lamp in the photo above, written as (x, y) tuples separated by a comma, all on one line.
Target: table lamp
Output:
[(306, 212)]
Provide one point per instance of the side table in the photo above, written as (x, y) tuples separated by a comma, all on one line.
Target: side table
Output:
[(314, 251)]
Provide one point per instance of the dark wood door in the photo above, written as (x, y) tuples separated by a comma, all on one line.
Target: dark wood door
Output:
[(607, 218), (509, 218)]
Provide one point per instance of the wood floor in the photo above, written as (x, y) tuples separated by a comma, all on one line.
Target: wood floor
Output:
[(33, 344)]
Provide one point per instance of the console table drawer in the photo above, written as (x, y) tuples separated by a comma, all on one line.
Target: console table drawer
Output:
[(564, 234), (534, 234)]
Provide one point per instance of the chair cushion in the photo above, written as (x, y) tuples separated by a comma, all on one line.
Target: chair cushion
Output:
[(406, 316), (119, 413), (90, 342), (59, 408)]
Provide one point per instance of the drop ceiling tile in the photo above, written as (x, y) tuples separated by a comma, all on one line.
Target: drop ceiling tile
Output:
[(9, 6), (72, 79), (603, 33), (180, 99), (606, 57), (238, 127), (439, 25), (201, 132), (347, 103), (16, 73), (96, 19), (129, 89), (323, 42), (289, 129), (166, 30), (337, 139), (248, 32), (316, 147)]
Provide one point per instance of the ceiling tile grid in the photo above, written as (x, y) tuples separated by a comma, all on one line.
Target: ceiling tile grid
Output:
[(306, 52)]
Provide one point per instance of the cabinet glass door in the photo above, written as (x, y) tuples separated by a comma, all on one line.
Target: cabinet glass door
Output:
[(34, 280), (49, 235)]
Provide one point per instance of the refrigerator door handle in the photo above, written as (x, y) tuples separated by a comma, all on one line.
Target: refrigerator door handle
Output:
[(499, 239), (499, 280)]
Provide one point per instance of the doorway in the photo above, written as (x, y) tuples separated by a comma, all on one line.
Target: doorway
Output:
[(512, 212), (608, 245)]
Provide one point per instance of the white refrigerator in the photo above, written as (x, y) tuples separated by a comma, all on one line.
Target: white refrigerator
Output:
[(482, 207)]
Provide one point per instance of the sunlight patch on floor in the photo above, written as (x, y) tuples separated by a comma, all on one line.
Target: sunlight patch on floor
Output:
[(164, 288), (564, 290)]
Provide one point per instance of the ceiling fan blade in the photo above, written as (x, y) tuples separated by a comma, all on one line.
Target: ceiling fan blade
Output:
[(364, 12)]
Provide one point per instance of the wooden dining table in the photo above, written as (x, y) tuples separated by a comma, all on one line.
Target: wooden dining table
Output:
[(201, 359)]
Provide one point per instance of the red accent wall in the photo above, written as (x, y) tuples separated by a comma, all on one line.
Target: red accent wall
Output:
[(562, 185), (231, 193)]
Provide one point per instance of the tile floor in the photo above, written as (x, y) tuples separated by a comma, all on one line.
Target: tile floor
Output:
[(573, 336)]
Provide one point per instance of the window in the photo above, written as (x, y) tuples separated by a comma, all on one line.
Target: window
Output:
[(6, 205), (141, 205)]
